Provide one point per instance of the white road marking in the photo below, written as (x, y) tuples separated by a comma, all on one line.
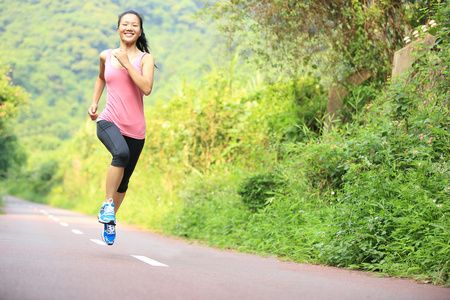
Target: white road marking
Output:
[(56, 219), (149, 261), (64, 224), (50, 216), (98, 242), (76, 231), (44, 212)]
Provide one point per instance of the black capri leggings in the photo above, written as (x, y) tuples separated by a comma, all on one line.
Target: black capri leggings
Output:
[(125, 150)]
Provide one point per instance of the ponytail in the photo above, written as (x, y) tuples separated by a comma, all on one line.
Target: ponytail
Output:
[(142, 43)]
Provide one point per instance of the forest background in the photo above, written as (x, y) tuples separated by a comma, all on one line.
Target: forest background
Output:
[(244, 149)]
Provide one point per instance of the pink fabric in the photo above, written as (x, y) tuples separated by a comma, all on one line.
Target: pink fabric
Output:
[(124, 100)]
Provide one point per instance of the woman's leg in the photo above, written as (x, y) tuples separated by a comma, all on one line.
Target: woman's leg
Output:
[(118, 199), (135, 146), (113, 179), (110, 135)]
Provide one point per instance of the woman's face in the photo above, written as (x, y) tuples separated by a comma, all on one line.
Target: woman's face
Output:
[(129, 28)]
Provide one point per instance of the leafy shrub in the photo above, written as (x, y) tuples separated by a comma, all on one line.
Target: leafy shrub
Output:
[(12, 155), (304, 101), (357, 101), (35, 184), (211, 210), (11, 98), (257, 189), (391, 211)]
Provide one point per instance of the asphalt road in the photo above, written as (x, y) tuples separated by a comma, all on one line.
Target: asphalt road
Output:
[(51, 253)]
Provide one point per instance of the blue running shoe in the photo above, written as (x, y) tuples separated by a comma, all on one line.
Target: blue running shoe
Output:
[(106, 215), (109, 234)]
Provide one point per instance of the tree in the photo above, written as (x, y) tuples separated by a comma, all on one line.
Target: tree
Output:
[(11, 97), (350, 40)]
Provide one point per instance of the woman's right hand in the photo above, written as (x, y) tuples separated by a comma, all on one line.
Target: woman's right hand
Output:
[(92, 111)]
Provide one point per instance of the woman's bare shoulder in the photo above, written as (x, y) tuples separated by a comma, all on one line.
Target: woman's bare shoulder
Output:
[(103, 55), (148, 58)]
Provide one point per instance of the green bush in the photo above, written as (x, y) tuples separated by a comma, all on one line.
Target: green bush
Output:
[(211, 210), (256, 190), (12, 97), (35, 184)]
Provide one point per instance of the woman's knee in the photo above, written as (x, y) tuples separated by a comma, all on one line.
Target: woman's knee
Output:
[(121, 158)]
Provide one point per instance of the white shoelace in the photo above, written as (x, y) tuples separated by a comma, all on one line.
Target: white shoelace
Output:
[(109, 210), (110, 229)]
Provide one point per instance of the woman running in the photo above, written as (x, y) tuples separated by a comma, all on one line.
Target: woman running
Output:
[(128, 74)]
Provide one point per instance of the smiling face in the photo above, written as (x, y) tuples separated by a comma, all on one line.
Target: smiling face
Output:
[(129, 28)]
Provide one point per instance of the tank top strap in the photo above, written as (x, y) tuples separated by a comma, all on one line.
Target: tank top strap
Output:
[(139, 59), (108, 57)]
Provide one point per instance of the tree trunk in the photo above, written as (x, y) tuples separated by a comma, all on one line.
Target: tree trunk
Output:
[(338, 92)]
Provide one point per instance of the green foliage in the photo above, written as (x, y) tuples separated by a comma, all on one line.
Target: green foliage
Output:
[(296, 37), (359, 100), (392, 209), (305, 99), (226, 121), (373, 195), (12, 155), (214, 197), (256, 190), (11, 97), (35, 184), (387, 214)]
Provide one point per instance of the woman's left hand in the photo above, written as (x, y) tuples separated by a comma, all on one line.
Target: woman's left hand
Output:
[(122, 57)]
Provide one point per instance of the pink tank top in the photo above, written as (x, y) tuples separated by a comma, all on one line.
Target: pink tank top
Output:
[(124, 100)]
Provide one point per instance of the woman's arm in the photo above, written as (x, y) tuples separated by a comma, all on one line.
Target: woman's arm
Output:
[(98, 87), (145, 81)]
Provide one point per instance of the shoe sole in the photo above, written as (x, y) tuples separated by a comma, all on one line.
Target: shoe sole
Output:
[(111, 222), (108, 223)]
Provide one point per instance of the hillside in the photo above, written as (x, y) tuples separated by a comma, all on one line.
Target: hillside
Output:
[(53, 47)]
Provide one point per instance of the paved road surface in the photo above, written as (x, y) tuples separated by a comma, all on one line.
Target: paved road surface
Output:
[(50, 253)]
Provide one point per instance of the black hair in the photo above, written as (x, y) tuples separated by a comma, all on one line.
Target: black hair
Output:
[(141, 42)]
